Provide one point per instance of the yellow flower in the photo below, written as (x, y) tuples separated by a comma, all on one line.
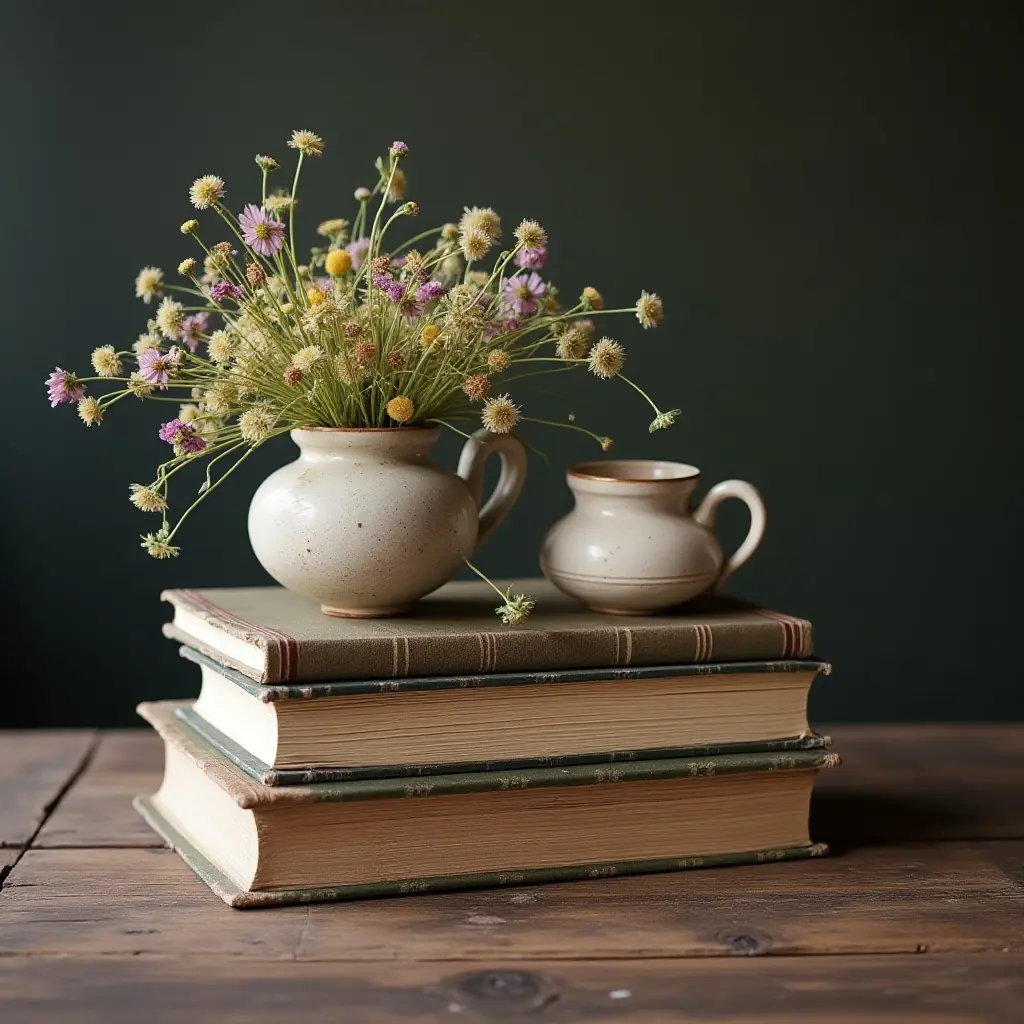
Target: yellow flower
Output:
[(315, 296), (338, 262), (400, 409), (592, 298), (429, 335)]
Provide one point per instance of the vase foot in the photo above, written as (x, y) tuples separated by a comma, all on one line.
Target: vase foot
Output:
[(624, 611), (384, 612)]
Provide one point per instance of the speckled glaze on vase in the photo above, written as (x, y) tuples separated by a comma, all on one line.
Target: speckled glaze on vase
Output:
[(366, 523), (633, 545)]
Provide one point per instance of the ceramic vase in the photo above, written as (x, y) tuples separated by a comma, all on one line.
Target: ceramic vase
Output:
[(364, 522), (633, 545)]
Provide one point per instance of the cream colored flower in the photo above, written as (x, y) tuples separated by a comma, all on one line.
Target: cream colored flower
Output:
[(256, 423), (664, 420), (148, 282), (479, 218), (187, 267), (306, 142), (170, 318), (188, 413), (146, 498), (516, 609), (530, 235), (348, 370), (189, 227), (498, 360), (220, 347), (572, 343), (592, 298), (105, 361), (89, 411), (138, 387), (475, 244), (399, 183), (335, 226), (220, 397), (157, 545), (607, 358), (650, 310), (500, 414), (205, 191), (306, 358), (279, 203)]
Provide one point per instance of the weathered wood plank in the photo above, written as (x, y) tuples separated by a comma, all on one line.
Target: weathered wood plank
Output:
[(98, 811), (953, 989), (35, 766), (901, 783), (946, 897)]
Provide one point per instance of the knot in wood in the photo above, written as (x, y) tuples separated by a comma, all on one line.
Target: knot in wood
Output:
[(747, 943), (521, 990)]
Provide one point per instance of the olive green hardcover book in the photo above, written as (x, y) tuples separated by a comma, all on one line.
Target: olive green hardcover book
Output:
[(285, 734), (274, 635), (257, 845)]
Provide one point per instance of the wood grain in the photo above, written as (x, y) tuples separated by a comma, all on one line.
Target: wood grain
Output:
[(98, 810), (952, 989), (902, 898), (903, 783), (35, 767)]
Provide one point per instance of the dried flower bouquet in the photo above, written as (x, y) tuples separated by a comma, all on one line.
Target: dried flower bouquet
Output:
[(364, 333)]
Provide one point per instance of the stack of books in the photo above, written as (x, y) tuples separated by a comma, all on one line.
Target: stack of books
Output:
[(335, 758)]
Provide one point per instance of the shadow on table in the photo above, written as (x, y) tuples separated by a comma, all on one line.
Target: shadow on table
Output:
[(850, 820)]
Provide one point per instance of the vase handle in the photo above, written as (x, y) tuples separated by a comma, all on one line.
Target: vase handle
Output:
[(513, 475), (705, 515)]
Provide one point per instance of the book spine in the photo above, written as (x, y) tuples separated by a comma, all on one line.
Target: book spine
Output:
[(760, 635), (231, 894)]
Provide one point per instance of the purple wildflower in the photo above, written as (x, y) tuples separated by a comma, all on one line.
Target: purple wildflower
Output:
[(182, 436), (532, 259), (191, 327), (411, 306), (523, 291), (169, 431), (262, 234), (156, 367), (225, 290), (63, 386), (512, 324), (399, 148), (358, 250), (382, 281), (395, 290), (430, 291)]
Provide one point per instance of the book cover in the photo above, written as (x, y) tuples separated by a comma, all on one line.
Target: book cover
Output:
[(273, 635), (268, 776), (244, 899), (248, 793)]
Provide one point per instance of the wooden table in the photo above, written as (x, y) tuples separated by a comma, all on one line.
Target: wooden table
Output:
[(918, 916)]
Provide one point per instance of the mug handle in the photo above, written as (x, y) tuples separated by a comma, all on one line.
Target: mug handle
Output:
[(705, 515), (513, 475)]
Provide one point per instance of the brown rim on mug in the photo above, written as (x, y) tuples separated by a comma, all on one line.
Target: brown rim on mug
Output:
[(677, 472)]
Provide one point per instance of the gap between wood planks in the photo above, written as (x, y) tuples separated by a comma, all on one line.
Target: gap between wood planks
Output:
[(6, 867)]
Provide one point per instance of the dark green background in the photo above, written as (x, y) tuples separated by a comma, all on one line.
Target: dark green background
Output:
[(827, 195)]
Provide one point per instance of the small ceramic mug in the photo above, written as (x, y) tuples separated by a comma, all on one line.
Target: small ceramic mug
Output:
[(632, 545)]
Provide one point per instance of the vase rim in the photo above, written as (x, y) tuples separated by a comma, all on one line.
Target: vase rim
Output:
[(634, 471), (367, 430)]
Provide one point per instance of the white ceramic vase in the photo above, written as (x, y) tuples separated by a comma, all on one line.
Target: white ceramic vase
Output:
[(632, 545), (364, 522)]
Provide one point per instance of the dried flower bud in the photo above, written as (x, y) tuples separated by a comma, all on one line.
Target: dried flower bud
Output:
[(498, 360), (400, 409), (396, 359), (266, 163), (353, 330), (361, 194), (411, 209), (189, 227), (255, 275), (292, 376), (380, 265), (476, 387), (365, 352), (399, 149), (187, 267), (592, 298)]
